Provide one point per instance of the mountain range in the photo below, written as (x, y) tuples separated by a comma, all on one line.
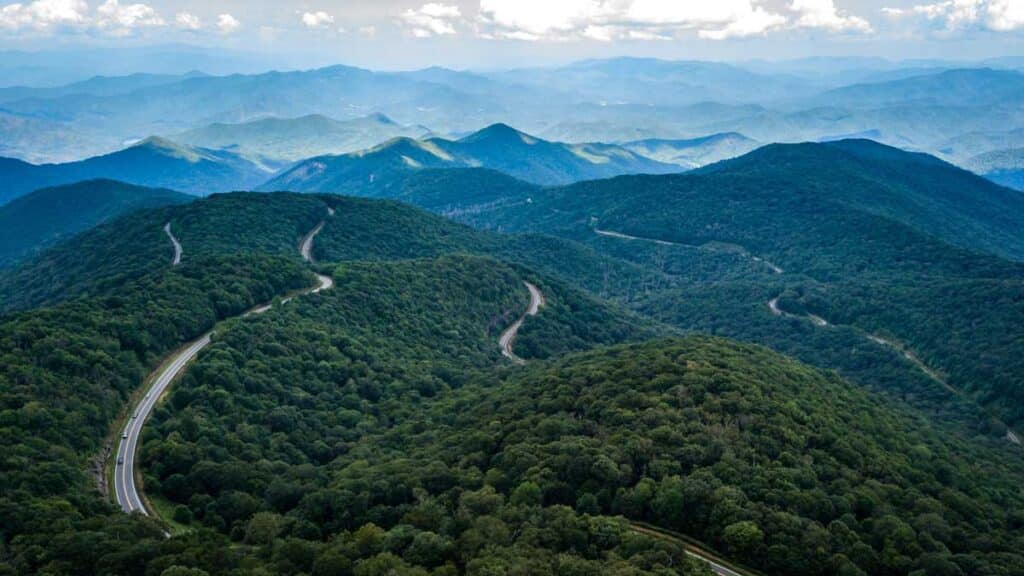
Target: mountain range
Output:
[(919, 105), (294, 139), (498, 147)]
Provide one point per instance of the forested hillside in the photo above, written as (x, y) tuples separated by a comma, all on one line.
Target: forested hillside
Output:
[(44, 217), (892, 246)]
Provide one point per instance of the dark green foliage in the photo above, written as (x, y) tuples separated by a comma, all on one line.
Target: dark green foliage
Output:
[(67, 371), (912, 244), (100, 261), (46, 216)]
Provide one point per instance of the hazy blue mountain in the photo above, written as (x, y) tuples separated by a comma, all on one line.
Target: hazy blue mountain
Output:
[(962, 87), (966, 146), (1004, 167), (498, 147), (44, 217), (295, 139), (96, 86), (694, 152), (652, 81), (154, 162)]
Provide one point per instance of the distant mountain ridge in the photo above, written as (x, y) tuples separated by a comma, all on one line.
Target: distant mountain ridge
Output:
[(694, 152), (154, 162), (294, 139), (497, 147)]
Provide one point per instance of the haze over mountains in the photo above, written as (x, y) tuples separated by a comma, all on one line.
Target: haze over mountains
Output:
[(924, 107)]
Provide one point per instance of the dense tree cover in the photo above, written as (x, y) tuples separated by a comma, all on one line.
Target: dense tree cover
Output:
[(246, 442), (899, 238), (775, 464), (67, 371), (100, 260), (41, 218)]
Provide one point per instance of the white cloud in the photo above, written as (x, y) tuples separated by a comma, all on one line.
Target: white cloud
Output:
[(607, 20), (368, 31), (824, 14), (188, 21), (227, 23), (318, 19), (44, 14), (432, 19), (954, 15), (1005, 15), (123, 20)]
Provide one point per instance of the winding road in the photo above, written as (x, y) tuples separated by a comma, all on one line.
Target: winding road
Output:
[(508, 337), (125, 488), (743, 251), (907, 354), (177, 245)]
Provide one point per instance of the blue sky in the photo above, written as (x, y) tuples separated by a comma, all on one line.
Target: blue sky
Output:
[(482, 33)]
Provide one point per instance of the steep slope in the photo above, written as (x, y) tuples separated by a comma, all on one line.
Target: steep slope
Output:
[(154, 162), (44, 217), (294, 139), (498, 147), (694, 152)]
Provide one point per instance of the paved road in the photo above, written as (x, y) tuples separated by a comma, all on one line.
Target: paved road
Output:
[(306, 247), (177, 245), (621, 236), (125, 489), (691, 550), (508, 337), (773, 304)]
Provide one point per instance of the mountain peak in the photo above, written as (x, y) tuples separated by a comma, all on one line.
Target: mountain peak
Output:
[(500, 133)]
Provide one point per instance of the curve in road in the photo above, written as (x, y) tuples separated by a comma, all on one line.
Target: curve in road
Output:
[(177, 245), (125, 489), (508, 337)]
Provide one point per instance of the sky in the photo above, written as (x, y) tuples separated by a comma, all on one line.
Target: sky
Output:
[(481, 34)]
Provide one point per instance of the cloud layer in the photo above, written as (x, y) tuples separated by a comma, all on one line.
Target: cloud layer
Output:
[(956, 15), (656, 19), (111, 17)]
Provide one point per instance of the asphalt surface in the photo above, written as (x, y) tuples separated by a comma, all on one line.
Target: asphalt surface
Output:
[(177, 245), (125, 489), (508, 337), (124, 474)]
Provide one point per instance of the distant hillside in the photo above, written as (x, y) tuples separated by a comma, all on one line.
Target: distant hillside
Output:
[(47, 216), (154, 162), (1004, 167), (964, 87), (694, 152), (498, 147), (295, 139)]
